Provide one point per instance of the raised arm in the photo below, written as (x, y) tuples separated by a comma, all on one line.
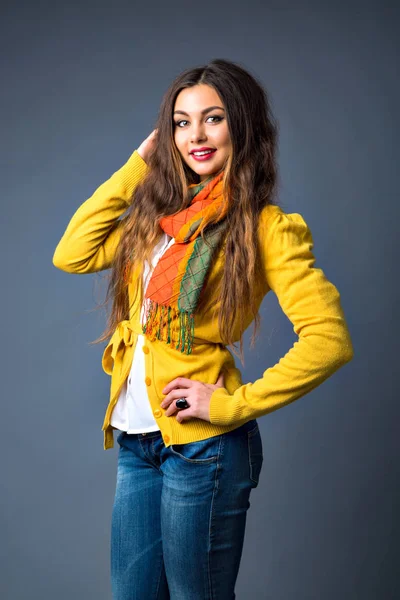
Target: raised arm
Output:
[(92, 235), (312, 304)]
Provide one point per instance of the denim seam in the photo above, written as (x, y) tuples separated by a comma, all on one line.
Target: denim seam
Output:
[(160, 571), (141, 446), (249, 457), (220, 452), (252, 431)]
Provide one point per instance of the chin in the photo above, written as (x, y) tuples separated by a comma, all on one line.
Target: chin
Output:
[(207, 169), (204, 170)]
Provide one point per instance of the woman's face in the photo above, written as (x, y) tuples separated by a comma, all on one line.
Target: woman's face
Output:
[(199, 123)]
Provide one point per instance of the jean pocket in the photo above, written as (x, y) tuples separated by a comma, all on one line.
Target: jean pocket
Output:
[(202, 452), (255, 450)]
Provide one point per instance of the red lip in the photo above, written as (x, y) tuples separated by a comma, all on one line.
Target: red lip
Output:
[(200, 149)]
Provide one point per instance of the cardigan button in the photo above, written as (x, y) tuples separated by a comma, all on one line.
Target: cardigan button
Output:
[(148, 381), (157, 413), (166, 438), (145, 349)]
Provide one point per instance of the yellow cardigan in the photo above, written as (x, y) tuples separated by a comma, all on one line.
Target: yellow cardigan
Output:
[(308, 299)]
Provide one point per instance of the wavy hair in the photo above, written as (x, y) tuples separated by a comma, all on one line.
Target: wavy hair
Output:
[(250, 176)]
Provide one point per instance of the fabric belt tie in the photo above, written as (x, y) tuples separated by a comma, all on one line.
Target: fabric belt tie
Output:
[(123, 336)]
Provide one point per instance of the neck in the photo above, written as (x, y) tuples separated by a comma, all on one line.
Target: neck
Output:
[(206, 178)]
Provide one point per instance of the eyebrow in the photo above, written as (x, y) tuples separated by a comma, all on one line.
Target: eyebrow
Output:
[(203, 112)]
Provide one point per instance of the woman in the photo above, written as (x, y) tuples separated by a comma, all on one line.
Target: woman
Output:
[(201, 245)]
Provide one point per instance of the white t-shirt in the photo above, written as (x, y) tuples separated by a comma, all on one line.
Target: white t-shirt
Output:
[(133, 412)]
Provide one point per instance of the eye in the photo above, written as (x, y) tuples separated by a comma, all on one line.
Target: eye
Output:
[(179, 123), (215, 117)]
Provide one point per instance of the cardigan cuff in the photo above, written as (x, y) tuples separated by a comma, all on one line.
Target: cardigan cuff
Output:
[(225, 408), (133, 170)]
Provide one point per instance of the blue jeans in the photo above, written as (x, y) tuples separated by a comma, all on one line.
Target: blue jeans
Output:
[(179, 514)]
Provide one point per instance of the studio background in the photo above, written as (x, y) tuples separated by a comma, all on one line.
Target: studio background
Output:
[(81, 87)]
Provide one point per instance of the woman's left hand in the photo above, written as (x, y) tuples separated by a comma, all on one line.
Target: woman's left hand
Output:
[(197, 393)]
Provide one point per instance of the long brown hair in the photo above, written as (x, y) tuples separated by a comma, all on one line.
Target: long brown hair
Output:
[(249, 182)]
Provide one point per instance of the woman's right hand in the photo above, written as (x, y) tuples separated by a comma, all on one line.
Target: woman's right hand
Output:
[(148, 145)]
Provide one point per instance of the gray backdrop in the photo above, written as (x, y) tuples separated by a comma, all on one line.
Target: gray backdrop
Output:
[(81, 87)]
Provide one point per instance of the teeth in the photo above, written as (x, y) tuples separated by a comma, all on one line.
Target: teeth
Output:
[(203, 152)]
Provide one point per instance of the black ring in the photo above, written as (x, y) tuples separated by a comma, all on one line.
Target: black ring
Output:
[(182, 403)]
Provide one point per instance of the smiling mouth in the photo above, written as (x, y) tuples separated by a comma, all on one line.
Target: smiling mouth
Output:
[(203, 152), (202, 156)]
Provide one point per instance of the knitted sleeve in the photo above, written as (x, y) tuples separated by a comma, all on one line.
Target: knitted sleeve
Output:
[(312, 304), (93, 233)]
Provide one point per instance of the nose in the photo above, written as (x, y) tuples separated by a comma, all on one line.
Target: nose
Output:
[(198, 133)]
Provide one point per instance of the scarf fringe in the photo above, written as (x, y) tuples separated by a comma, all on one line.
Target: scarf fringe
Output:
[(158, 326)]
